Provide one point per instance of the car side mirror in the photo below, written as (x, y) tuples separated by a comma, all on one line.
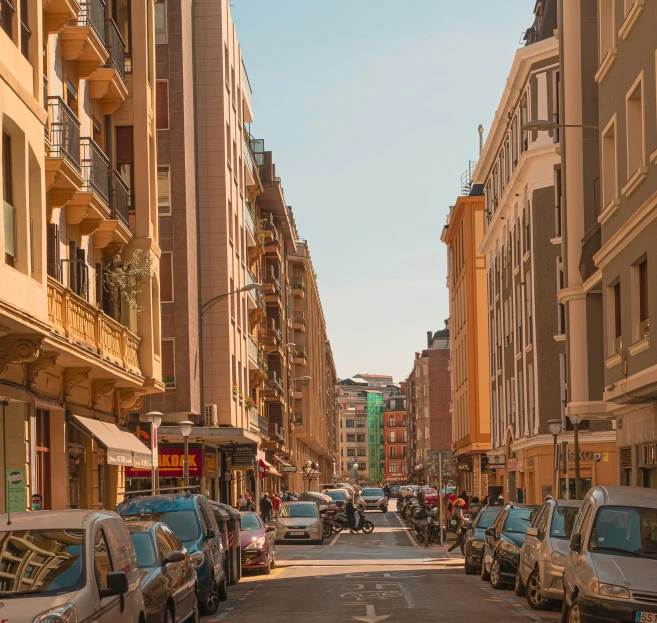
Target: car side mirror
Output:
[(117, 584), (490, 532), (576, 542), (174, 556), (532, 532), (270, 529), (210, 534)]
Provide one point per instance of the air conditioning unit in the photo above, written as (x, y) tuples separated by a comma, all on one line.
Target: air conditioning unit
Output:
[(210, 413)]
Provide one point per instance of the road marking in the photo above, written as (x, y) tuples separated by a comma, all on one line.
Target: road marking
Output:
[(335, 540), (370, 616)]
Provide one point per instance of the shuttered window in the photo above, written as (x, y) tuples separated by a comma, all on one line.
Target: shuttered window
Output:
[(52, 232), (626, 458), (168, 363), (617, 310), (124, 145), (643, 291), (166, 278), (162, 105)]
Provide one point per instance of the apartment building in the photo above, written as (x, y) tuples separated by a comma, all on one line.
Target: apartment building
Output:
[(395, 440), (521, 175), (625, 232), (470, 383), (428, 415), (80, 289)]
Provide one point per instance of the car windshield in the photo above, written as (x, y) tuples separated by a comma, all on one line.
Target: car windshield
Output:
[(518, 520), (372, 493), (486, 518), (428, 490), (299, 510), (563, 521), (183, 522), (38, 563), (249, 523), (146, 556), (625, 530), (336, 494)]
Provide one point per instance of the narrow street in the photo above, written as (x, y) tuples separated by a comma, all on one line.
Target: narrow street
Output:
[(371, 578)]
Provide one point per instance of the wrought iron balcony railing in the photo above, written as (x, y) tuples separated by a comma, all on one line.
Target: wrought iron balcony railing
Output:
[(591, 244), (116, 48), (95, 169), (92, 13), (120, 199), (64, 131)]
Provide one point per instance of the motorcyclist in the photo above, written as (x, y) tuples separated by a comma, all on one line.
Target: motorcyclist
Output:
[(351, 514)]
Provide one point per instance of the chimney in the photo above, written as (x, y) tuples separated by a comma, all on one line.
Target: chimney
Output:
[(429, 336)]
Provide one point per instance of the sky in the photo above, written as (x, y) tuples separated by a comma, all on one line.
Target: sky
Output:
[(371, 109)]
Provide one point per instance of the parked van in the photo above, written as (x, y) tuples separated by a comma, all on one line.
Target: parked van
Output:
[(611, 566), (85, 568)]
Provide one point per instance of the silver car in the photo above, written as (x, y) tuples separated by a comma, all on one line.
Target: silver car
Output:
[(299, 522), (543, 553), (611, 567), (374, 499)]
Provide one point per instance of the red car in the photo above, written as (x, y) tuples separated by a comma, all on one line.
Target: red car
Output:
[(257, 543)]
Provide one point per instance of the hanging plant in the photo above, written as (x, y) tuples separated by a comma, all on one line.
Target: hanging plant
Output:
[(249, 403), (122, 279), (301, 285), (236, 389)]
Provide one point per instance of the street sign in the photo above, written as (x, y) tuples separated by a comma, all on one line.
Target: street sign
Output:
[(262, 469), (242, 456), (289, 469)]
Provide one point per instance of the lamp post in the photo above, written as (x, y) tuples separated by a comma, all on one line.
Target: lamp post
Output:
[(186, 431), (555, 430), (576, 421), (212, 301), (309, 468), (155, 418)]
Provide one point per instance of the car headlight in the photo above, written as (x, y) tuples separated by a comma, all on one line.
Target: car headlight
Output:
[(312, 526), (609, 590), (381, 501), (509, 547), (558, 559), (197, 558), (256, 543), (62, 614)]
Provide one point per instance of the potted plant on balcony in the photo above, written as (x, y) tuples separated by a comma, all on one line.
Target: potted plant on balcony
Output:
[(236, 389), (249, 403)]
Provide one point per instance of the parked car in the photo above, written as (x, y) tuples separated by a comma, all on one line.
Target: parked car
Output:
[(338, 495), (192, 521), (92, 571), (374, 499), (299, 522), (502, 544), (168, 575), (543, 553), (258, 544), (611, 566), (474, 538)]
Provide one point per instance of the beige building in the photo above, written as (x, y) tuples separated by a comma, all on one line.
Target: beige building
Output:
[(470, 386), (80, 343)]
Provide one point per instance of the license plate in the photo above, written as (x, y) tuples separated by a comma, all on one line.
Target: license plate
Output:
[(645, 617), (297, 533)]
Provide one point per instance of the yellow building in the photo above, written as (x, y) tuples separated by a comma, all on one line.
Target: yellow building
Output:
[(79, 335)]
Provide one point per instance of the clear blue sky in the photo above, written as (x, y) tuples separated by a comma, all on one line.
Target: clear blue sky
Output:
[(371, 108)]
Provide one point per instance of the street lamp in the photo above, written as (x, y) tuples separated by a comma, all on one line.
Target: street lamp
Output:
[(576, 421), (212, 301), (543, 125), (555, 429), (309, 468), (186, 431), (155, 418)]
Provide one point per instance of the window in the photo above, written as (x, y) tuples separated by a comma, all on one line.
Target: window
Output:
[(121, 12), (351, 438), (42, 425), (643, 291), (635, 132), (163, 191), (351, 452), (557, 203), (350, 423), (392, 452), (125, 161), (9, 210), (25, 30), (166, 277), (362, 452), (393, 468), (360, 438), (102, 559), (160, 21), (617, 311), (609, 165), (168, 363), (7, 17), (607, 28), (162, 105), (163, 545)]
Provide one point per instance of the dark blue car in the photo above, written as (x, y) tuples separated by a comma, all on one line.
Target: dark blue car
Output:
[(191, 519)]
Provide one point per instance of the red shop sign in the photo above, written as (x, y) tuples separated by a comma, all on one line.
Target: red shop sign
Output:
[(171, 464)]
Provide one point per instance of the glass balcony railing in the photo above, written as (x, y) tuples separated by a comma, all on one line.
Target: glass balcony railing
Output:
[(246, 86)]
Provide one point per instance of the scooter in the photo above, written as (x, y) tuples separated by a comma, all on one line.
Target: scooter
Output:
[(341, 522)]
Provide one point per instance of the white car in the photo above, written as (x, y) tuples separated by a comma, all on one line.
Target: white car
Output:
[(299, 522), (374, 499), (68, 566)]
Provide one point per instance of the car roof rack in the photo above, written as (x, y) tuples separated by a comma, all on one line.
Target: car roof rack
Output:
[(127, 495)]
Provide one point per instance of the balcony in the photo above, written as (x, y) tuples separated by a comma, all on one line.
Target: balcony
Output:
[(298, 287), (251, 299), (271, 286), (273, 386), (252, 239), (269, 335), (253, 419), (107, 83), (117, 227), (57, 13), (300, 357), (591, 244), (83, 325), (296, 388), (83, 40), (299, 321), (263, 425), (248, 96), (252, 178), (258, 365), (63, 171), (270, 235)]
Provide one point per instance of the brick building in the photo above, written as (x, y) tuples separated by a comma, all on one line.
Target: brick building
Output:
[(395, 440)]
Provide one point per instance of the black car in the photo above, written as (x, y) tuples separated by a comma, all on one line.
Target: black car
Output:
[(502, 544), (168, 575), (474, 539)]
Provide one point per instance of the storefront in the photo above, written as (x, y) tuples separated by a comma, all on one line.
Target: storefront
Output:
[(637, 447), (472, 473)]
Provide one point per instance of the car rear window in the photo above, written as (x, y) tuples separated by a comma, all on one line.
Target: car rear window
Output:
[(486, 518), (299, 510), (518, 520), (249, 523), (183, 523)]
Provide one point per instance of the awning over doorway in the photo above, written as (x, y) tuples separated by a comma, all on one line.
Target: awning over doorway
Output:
[(272, 471), (122, 448), (282, 461)]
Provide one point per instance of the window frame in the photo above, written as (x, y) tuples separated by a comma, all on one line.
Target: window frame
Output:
[(166, 22), (160, 169), (165, 82), (169, 384), (629, 97)]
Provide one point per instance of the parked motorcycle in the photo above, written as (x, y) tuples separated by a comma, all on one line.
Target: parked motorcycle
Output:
[(327, 520), (341, 522)]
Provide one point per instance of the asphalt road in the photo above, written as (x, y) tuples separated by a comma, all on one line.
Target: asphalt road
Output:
[(371, 578)]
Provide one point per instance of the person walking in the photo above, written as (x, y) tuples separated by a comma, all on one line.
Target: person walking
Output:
[(242, 503), (351, 514), (265, 509), (458, 514), (387, 490), (276, 504)]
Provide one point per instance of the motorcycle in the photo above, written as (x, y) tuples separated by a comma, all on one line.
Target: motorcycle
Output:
[(431, 521), (341, 522), (328, 523)]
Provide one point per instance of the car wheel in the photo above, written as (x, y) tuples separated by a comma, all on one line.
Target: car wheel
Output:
[(520, 587), (266, 570), (534, 597), (211, 603), (573, 612), (484, 574), (168, 615), (495, 574), (223, 590)]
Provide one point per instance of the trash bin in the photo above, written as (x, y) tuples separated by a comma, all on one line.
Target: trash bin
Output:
[(229, 521)]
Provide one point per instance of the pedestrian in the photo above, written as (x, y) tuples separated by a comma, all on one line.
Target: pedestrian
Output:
[(37, 502), (465, 498), (458, 514), (276, 503), (351, 514), (265, 508), (386, 490), (475, 507), (242, 503), (249, 502)]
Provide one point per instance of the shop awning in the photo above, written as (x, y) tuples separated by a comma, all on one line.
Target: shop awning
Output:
[(281, 461), (272, 471), (209, 435), (122, 448)]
